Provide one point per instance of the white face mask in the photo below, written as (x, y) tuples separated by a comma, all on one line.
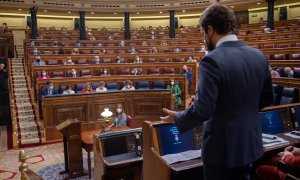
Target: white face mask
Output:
[(105, 72), (128, 86), (172, 83), (69, 61), (51, 87), (97, 60), (73, 72), (119, 110), (44, 73)]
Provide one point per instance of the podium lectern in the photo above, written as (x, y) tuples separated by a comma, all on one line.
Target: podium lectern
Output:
[(71, 131), (156, 144), (118, 155)]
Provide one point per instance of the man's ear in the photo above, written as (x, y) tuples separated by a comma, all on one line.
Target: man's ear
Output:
[(210, 30)]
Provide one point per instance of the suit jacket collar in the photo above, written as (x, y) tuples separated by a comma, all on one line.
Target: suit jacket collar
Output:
[(232, 44)]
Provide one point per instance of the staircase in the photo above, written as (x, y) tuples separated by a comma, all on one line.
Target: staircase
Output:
[(20, 51), (24, 111)]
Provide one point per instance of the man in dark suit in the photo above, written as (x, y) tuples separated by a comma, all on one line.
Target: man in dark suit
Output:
[(49, 90), (234, 84)]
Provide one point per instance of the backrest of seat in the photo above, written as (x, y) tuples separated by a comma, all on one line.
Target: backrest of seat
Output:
[(106, 60), (153, 71), (168, 70), (82, 61), (296, 73), (295, 56), (79, 87), (142, 85), (58, 74), (111, 86), (95, 85), (180, 59), (124, 71), (279, 57), (289, 95), (277, 90), (164, 59), (85, 73), (52, 62), (158, 85)]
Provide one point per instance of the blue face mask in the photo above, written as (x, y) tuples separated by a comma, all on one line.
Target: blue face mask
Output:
[(97, 60), (291, 74)]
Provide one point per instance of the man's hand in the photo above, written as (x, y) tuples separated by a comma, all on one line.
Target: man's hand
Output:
[(289, 148), (170, 118), (296, 151)]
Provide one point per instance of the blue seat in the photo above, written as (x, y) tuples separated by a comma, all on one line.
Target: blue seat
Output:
[(296, 73), (111, 86), (142, 85), (158, 85), (95, 86), (79, 87), (289, 95), (62, 89), (277, 90)]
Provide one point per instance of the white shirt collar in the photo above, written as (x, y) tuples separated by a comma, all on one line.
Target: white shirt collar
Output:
[(231, 37)]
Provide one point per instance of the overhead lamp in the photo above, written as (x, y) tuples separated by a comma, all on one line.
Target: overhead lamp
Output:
[(69, 12), (160, 12), (45, 10), (106, 114), (232, 6), (183, 10), (20, 9), (258, 3), (92, 13), (115, 13), (137, 13)]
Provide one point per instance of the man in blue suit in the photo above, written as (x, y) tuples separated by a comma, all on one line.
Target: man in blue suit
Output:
[(49, 90), (234, 84)]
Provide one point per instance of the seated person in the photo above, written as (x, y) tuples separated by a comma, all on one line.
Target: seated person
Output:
[(49, 90), (73, 73), (290, 157), (122, 43), (203, 49), (92, 38), (75, 51), (61, 51), (32, 44), (77, 44), (87, 88), (105, 72), (133, 51), (55, 44), (154, 50), (273, 72), (52, 28), (118, 59), (128, 86), (177, 50), (137, 59), (144, 43), (96, 60), (289, 72), (189, 75), (191, 59), (101, 51), (133, 37), (38, 62), (150, 27), (164, 43), (99, 44), (267, 30), (43, 75), (121, 118), (135, 71), (152, 36), (68, 90), (35, 51), (101, 87), (110, 37), (175, 90), (69, 61)]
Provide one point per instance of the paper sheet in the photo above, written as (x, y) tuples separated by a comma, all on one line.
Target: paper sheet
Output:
[(183, 156), (273, 142), (292, 135)]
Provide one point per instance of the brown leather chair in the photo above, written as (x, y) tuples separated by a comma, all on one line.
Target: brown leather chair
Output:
[(121, 51), (173, 43), (297, 44), (43, 44), (52, 62), (284, 45), (86, 51), (132, 44), (106, 60), (47, 52), (165, 59), (129, 121), (109, 52), (153, 71), (269, 46), (279, 37), (142, 51), (58, 74), (295, 56), (180, 59), (124, 71), (169, 71), (151, 60), (189, 49), (278, 57), (110, 44), (95, 51), (82, 61), (184, 42), (85, 73)]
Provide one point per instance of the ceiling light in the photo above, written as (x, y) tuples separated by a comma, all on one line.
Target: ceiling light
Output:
[(232, 6), (69, 12), (258, 3), (45, 10), (115, 13), (92, 13), (20, 9), (137, 13), (183, 10), (160, 12)]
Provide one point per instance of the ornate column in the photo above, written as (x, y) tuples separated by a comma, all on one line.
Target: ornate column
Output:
[(127, 34), (34, 30), (172, 24), (270, 14), (82, 25)]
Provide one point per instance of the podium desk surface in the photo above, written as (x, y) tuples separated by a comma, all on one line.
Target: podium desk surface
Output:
[(291, 142), (122, 159), (184, 165)]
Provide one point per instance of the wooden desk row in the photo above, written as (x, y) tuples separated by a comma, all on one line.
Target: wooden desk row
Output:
[(119, 69), (140, 105), (285, 63)]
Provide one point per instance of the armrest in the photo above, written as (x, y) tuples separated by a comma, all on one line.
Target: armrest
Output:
[(291, 177)]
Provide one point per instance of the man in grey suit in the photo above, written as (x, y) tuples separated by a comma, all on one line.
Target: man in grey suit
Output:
[(234, 84)]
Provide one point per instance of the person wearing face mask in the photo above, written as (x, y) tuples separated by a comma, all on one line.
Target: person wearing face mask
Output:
[(101, 87), (73, 73), (75, 51), (43, 75), (122, 43), (96, 60), (68, 90), (203, 50), (136, 71), (121, 118), (137, 59), (118, 60), (177, 50), (191, 59), (32, 44), (274, 73), (175, 90), (105, 72), (69, 61), (49, 90), (55, 44), (234, 85), (38, 62), (128, 86), (77, 44), (36, 51), (133, 51), (189, 75), (87, 88), (288, 72)]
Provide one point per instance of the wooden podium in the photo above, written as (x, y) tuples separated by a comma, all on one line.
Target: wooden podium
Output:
[(71, 131)]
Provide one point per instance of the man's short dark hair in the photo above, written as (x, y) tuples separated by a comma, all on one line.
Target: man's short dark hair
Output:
[(49, 82), (220, 17)]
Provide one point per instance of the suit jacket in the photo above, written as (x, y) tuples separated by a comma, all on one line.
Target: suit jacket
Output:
[(234, 84), (45, 92)]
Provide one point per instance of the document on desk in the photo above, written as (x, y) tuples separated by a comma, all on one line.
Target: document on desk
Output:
[(183, 156), (293, 134), (268, 142)]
